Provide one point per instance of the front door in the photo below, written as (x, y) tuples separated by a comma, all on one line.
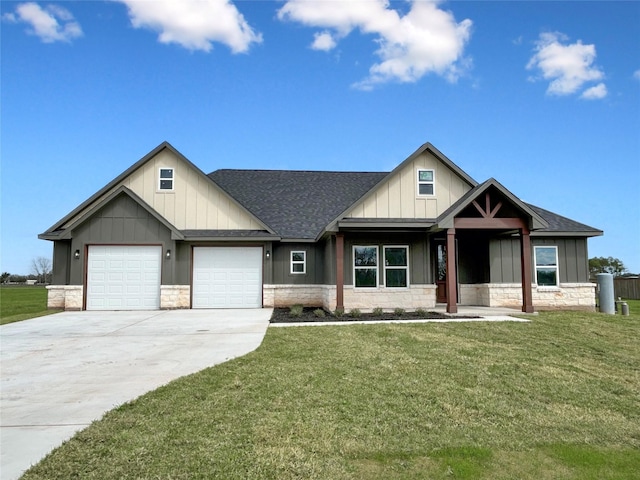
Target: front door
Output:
[(441, 272)]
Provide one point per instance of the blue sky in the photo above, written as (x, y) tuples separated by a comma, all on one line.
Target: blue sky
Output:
[(544, 96)]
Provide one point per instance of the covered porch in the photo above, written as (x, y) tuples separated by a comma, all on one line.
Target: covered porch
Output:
[(458, 251)]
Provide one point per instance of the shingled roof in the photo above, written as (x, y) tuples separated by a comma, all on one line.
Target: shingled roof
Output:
[(296, 204), (299, 205), (559, 224)]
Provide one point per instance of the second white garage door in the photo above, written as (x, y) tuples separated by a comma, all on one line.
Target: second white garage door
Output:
[(227, 277)]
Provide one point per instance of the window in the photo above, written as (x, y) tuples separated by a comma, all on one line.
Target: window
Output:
[(395, 267), (546, 260), (365, 267), (299, 262), (165, 179), (426, 184)]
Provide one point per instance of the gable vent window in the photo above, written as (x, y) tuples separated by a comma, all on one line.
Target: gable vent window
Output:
[(165, 179), (426, 182)]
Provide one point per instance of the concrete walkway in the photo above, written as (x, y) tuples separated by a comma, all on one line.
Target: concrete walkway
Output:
[(61, 372)]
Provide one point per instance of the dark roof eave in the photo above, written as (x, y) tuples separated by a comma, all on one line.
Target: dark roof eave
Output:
[(300, 240), (229, 235), (391, 223), (594, 233), (55, 235), (232, 239)]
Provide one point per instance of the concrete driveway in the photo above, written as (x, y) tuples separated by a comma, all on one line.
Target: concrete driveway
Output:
[(63, 371)]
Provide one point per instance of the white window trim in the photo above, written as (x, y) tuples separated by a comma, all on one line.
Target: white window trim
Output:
[(353, 264), (556, 267), (433, 182), (298, 262), (160, 179), (386, 267)]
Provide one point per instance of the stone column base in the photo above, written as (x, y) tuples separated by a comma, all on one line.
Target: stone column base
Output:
[(65, 297), (174, 297)]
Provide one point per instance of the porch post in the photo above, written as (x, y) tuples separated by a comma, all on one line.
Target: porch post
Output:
[(525, 262), (339, 270), (452, 280)]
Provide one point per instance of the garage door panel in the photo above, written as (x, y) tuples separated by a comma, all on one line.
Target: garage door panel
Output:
[(114, 276), (227, 277), (219, 277), (123, 277)]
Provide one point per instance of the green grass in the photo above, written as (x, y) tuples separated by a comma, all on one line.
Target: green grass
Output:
[(556, 398), (22, 302)]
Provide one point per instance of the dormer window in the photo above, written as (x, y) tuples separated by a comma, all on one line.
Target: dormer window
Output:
[(426, 183), (165, 179)]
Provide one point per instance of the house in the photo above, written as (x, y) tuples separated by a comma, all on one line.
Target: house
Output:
[(164, 234)]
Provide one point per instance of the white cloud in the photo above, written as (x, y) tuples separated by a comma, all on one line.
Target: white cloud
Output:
[(51, 24), (568, 66), (636, 74), (595, 93), (424, 40), (194, 24), (323, 41)]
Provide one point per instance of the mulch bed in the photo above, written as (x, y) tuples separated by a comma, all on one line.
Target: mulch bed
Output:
[(283, 315)]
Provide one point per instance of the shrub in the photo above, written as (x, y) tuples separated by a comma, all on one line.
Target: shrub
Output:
[(355, 313), (378, 312), (398, 311), (421, 312), (338, 312), (295, 310), (318, 312)]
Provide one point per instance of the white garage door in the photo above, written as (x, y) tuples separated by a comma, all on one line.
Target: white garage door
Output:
[(123, 277), (227, 277)]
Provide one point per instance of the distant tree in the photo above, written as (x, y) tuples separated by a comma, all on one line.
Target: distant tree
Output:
[(610, 265), (4, 278), (41, 267)]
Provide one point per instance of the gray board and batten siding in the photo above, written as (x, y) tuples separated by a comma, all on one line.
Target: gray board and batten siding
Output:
[(122, 221), (572, 258), (315, 261)]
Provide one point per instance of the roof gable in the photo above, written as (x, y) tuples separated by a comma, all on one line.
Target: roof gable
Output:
[(514, 206), (396, 195), (104, 202), (195, 203)]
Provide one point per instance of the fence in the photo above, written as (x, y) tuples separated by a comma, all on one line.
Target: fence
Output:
[(628, 288)]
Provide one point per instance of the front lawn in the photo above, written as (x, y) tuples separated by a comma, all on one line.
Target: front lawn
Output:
[(556, 398), (21, 302)]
